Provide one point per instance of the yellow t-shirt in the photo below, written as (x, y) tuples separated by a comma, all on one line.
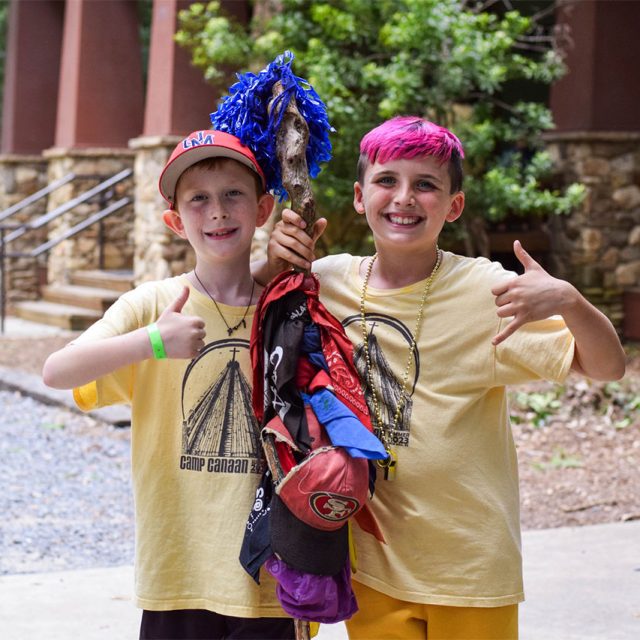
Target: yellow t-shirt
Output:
[(451, 517), (196, 457)]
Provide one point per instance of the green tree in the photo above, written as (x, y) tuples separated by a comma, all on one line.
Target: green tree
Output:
[(462, 64)]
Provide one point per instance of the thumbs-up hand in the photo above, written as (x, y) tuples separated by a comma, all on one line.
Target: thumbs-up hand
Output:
[(183, 336), (532, 296)]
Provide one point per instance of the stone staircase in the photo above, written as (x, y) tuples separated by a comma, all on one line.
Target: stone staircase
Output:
[(77, 305)]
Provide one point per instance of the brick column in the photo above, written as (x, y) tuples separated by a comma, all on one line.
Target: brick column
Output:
[(100, 102), (601, 91), (34, 39), (179, 100), (32, 63)]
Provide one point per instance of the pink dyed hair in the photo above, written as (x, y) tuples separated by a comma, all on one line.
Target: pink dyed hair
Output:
[(410, 137)]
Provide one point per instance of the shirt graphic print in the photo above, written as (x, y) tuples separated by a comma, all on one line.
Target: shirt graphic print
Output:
[(387, 379), (220, 433)]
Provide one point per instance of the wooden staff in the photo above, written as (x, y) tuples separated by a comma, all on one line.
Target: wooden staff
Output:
[(292, 139)]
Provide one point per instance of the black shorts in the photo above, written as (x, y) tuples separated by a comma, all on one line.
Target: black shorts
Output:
[(200, 624)]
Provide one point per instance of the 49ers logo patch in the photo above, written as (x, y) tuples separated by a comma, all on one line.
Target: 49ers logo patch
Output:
[(333, 506)]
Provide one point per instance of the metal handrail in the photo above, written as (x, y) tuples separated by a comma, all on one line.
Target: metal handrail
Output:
[(34, 197), (19, 229), (81, 226), (67, 206)]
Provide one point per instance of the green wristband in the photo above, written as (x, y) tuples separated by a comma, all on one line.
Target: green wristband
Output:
[(156, 341)]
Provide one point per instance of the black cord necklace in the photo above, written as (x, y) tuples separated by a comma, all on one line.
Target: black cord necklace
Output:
[(242, 322)]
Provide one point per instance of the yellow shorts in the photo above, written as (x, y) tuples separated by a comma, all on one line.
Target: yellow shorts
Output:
[(384, 618)]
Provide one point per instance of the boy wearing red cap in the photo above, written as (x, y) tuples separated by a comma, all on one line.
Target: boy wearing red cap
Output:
[(437, 338), (177, 351)]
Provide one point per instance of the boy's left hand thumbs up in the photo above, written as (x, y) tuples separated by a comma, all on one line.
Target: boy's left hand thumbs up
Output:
[(534, 295), (525, 258)]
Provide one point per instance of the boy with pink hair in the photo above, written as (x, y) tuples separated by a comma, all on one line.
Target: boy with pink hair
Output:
[(438, 337)]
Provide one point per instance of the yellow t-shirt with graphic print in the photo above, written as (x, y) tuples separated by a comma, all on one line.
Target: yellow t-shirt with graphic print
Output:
[(451, 517), (196, 459)]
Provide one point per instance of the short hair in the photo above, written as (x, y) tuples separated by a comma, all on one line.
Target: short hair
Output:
[(411, 137), (214, 163)]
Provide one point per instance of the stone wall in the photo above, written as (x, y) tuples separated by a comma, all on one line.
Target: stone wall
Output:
[(20, 177), (83, 250), (597, 248)]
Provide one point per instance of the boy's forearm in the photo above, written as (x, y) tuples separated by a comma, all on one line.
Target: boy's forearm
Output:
[(598, 352), (78, 364)]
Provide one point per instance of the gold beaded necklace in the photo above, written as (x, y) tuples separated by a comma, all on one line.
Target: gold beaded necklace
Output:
[(385, 433)]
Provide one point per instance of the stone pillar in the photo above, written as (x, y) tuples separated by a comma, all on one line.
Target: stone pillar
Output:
[(597, 248), (597, 143), (179, 101), (100, 107), (82, 250), (100, 101), (34, 39), (20, 177)]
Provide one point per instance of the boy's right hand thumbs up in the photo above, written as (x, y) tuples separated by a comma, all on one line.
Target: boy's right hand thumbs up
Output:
[(183, 336), (179, 302)]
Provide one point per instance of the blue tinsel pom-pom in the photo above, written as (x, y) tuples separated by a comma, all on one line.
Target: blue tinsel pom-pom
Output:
[(244, 114)]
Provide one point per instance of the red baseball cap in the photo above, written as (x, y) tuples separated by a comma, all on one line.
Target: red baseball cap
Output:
[(328, 486), (198, 146)]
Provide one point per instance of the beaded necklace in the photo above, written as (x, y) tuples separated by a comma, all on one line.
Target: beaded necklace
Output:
[(385, 432)]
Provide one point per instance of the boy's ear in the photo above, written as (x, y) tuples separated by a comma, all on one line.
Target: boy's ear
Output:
[(358, 203), (265, 208), (456, 208), (173, 220)]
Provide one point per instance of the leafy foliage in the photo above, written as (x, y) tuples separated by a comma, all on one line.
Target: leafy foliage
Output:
[(539, 407), (461, 64)]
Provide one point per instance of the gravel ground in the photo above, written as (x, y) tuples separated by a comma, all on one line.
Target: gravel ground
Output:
[(65, 492)]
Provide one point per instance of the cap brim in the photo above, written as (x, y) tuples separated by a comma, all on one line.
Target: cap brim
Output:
[(173, 171), (303, 547)]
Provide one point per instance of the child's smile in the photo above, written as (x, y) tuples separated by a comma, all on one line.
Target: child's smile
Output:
[(220, 233), (403, 220)]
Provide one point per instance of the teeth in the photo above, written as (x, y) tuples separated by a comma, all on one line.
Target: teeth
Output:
[(402, 219)]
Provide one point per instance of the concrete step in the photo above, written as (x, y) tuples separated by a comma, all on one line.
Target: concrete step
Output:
[(116, 280), (58, 315), (95, 298)]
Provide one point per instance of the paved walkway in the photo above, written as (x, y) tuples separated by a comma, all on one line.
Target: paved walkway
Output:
[(582, 583)]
